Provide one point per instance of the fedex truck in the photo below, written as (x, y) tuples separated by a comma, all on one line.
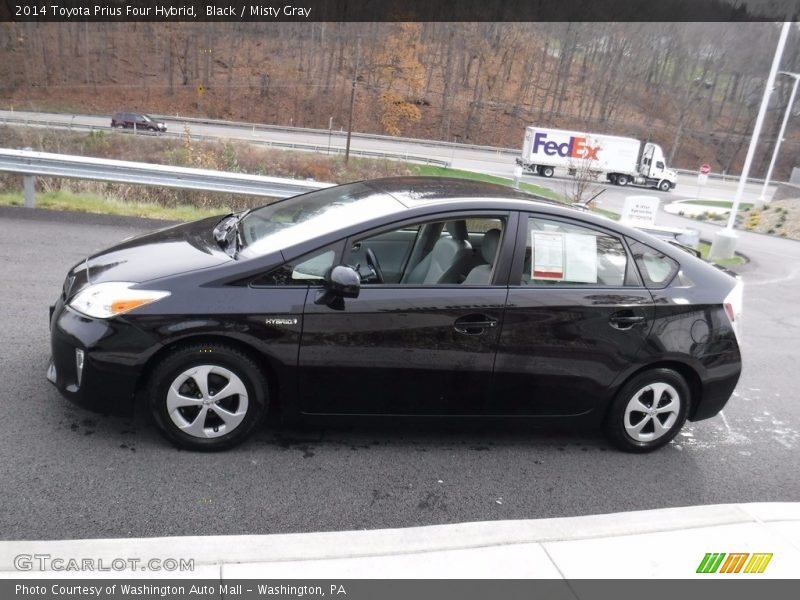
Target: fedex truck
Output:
[(621, 160)]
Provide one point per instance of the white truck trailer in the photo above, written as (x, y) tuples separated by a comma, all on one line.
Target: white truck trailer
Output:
[(594, 154)]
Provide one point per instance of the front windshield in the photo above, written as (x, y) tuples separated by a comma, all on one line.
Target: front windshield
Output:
[(300, 218), (146, 118)]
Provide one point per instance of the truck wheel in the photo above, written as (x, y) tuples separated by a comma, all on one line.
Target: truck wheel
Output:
[(622, 180), (665, 186), (547, 171)]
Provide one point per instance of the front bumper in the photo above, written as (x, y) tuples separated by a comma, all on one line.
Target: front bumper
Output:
[(114, 355)]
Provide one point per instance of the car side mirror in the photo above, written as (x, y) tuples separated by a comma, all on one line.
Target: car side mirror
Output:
[(340, 282)]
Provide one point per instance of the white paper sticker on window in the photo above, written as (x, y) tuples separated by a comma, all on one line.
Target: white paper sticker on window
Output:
[(548, 256), (581, 251)]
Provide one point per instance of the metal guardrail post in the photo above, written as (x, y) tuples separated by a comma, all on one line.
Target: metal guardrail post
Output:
[(29, 185)]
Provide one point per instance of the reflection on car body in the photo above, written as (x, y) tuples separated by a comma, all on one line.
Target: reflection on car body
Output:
[(400, 297)]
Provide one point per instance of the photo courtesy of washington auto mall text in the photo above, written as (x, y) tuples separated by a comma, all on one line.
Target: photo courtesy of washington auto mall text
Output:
[(210, 589)]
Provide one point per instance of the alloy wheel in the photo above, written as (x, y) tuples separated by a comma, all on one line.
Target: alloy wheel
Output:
[(652, 412), (207, 401)]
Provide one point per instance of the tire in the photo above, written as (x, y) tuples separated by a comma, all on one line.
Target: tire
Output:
[(178, 402), (633, 430), (612, 178), (622, 180), (665, 186), (547, 171)]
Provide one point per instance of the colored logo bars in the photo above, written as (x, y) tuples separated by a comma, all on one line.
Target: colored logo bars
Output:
[(719, 562)]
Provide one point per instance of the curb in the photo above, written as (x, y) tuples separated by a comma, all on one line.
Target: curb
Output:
[(550, 541)]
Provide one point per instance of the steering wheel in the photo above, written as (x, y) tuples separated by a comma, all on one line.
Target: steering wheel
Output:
[(372, 263)]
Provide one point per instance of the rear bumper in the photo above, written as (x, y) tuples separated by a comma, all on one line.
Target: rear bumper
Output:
[(106, 376), (716, 393)]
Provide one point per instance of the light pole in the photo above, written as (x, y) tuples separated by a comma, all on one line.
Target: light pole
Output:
[(352, 102), (725, 241), (796, 77), (330, 132)]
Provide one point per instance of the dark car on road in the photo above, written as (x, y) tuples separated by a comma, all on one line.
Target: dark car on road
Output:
[(400, 297), (140, 121)]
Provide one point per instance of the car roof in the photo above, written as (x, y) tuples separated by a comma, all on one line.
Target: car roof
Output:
[(422, 190)]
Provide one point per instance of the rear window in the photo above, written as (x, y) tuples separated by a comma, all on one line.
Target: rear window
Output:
[(657, 269)]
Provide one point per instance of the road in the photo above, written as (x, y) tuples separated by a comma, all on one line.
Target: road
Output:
[(487, 160), (70, 473)]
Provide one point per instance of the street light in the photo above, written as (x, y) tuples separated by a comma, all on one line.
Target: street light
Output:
[(724, 242), (330, 132), (352, 102), (796, 77)]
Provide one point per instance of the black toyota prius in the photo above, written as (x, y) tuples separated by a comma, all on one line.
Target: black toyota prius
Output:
[(400, 297)]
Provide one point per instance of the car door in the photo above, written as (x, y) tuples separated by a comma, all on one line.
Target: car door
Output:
[(406, 348), (577, 316)]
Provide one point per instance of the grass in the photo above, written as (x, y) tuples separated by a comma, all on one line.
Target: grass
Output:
[(93, 203), (725, 262), (429, 170), (718, 203), (609, 214), (90, 203)]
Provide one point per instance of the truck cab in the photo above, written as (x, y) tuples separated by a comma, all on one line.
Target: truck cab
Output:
[(653, 168)]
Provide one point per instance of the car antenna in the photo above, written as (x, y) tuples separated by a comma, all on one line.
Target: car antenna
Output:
[(590, 200)]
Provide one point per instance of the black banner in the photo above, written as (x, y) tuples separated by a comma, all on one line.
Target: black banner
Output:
[(739, 588), (398, 10)]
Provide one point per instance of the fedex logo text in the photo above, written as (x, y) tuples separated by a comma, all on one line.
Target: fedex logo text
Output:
[(575, 148)]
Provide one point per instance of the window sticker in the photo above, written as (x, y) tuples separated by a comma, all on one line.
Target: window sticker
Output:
[(548, 256), (581, 252)]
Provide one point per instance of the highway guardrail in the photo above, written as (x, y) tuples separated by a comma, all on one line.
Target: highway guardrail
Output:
[(31, 164)]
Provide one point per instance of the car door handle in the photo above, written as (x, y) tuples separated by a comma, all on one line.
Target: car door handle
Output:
[(625, 320), (474, 324)]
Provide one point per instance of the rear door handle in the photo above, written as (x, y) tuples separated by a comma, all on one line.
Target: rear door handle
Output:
[(625, 320), (474, 324)]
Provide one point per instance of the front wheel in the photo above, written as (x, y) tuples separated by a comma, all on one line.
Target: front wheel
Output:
[(648, 411), (665, 186), (207, 396)]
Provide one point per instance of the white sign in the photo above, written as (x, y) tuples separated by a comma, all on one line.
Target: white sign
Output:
[(548, 256), (581, 251), (702, 178), (558, 256), (639, 210)]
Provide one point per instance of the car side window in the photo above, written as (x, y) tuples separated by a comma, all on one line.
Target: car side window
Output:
[(458, 251), (566, 254), (657, 269), (304, 270)]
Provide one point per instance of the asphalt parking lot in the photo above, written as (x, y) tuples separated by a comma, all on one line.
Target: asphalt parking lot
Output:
[(71, 473)]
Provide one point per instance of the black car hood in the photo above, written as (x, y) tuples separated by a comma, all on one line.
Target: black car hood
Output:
[(162, 253)]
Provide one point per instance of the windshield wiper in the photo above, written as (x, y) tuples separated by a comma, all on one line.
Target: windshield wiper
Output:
[(228, 232)]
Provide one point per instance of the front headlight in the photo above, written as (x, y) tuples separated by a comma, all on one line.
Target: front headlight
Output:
[(105, 300)]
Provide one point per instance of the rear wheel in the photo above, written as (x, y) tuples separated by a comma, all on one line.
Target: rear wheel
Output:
[(207, 396), (649, 411), (622, 180), (546, 171)]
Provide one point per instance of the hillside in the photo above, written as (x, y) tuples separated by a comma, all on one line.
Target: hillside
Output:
[(692, 87)]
